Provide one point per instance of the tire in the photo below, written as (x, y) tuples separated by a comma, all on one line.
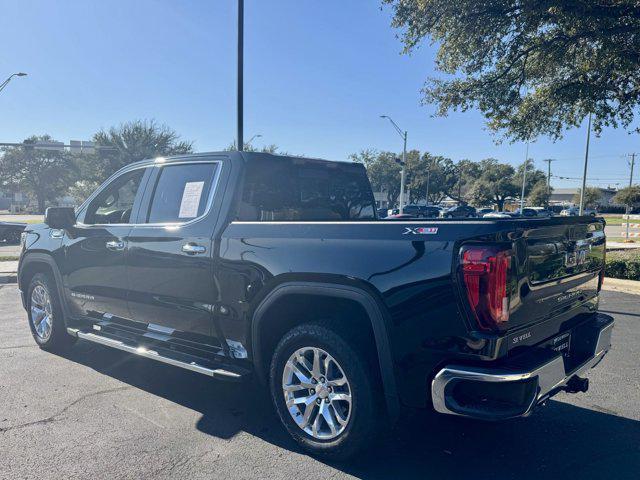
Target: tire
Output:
[(361, 423), (46, 319)]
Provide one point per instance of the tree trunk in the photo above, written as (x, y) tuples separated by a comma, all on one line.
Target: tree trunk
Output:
[(500, 204), (41, 201)]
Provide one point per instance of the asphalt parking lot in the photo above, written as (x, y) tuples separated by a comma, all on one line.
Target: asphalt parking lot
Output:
[(98, 413)]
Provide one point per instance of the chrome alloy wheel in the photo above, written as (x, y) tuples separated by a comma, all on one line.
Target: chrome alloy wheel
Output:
[(317, 393), (41, 312)]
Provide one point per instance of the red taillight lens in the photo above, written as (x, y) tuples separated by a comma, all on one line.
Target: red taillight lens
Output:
[(485, 271)]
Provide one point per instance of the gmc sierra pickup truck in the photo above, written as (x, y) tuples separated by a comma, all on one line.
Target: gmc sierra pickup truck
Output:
[(247, 264)]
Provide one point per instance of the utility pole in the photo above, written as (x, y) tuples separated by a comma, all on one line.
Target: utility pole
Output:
[(548, 160), (584, 175), (632, 163), (240, 139)]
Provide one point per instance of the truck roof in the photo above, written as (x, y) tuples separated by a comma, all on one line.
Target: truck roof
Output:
[(234, 155)]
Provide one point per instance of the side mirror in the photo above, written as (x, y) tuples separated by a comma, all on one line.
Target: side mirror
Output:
[(60, 217)]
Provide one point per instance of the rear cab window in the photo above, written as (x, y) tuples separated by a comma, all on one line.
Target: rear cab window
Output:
[(297, 189)]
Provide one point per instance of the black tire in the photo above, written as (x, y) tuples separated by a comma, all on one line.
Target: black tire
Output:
[(366, 419), (58, 339)]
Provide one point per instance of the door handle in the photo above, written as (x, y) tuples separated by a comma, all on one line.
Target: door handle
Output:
[(115, 245), (193, 249)]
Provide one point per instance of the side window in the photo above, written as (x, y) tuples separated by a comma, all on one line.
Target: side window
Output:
[(115, 202), (181, 192)]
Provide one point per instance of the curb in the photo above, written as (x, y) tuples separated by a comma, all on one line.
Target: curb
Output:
[(621, 285)]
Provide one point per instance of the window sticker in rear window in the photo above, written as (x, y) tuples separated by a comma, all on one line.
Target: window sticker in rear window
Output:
[(190, 199)]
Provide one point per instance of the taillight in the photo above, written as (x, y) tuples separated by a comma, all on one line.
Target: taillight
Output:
[(485, 272)]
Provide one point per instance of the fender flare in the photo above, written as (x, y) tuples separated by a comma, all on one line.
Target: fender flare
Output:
[(37, 257), (374, 311)]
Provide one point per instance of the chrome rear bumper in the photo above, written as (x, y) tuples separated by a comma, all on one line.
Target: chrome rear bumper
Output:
[(536, 378)]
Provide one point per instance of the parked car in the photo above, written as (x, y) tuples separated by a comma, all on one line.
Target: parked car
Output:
[(526, 212), (575, 211), (10, 232), (383, 212), (542, 212), (498, 215), (460, 211), (483, 211), (422, 211), (237, 265)]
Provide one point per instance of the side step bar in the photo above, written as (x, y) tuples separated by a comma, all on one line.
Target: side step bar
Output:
[(218, 373)]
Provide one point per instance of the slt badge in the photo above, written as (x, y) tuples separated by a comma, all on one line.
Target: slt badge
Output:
[(420, 230)]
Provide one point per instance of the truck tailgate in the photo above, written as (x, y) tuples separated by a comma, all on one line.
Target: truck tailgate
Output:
[(558, 269)]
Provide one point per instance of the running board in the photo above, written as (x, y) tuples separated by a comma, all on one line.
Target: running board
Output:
[(218, 373)]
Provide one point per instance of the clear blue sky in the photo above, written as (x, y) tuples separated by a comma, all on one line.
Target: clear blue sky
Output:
[(317, 77)]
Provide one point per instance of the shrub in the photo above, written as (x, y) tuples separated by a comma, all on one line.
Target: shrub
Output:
[(623, 264)]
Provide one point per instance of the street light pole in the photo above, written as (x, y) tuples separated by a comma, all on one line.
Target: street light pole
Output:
[(6, 82), (524, 179), (584, 175), (428, 180), (403, 134), (257, 135), (402, 172), (240, 140)]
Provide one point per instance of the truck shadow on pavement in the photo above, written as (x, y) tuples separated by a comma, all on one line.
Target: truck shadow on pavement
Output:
[(558, 440)]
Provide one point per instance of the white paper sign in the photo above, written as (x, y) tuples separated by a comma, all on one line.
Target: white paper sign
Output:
[(190, 199)]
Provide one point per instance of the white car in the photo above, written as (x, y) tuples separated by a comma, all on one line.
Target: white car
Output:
[(574, 212)]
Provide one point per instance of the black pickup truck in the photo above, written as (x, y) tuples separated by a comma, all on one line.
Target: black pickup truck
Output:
[(236, 264)]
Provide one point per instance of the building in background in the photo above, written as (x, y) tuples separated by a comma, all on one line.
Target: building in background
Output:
[(564, 196)]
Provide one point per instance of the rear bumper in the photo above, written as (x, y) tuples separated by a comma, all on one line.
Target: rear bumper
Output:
[(514, 390)]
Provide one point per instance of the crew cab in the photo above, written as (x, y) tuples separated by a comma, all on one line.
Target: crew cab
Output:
[(237, 265)]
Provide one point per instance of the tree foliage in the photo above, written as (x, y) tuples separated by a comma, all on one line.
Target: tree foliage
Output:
[(431, 179), (539, 195), (272, 148), (532, 68), (591, 196), (628, 196), (132, 141), (495, 184), (383, 171), (44, 175)]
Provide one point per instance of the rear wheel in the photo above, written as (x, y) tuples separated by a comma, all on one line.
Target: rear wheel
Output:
[(322, 392), (45, 314)]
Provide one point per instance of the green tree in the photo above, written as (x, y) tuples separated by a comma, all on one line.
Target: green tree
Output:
[(383, 172), (629, 196), (539, 195), (494, 184), (131, 141), (42, 174), (532, 68), (591, 197), (273, 148), (434, 178)]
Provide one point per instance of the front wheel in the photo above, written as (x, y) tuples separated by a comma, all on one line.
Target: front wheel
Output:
[(322, 392), (45, 314)]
